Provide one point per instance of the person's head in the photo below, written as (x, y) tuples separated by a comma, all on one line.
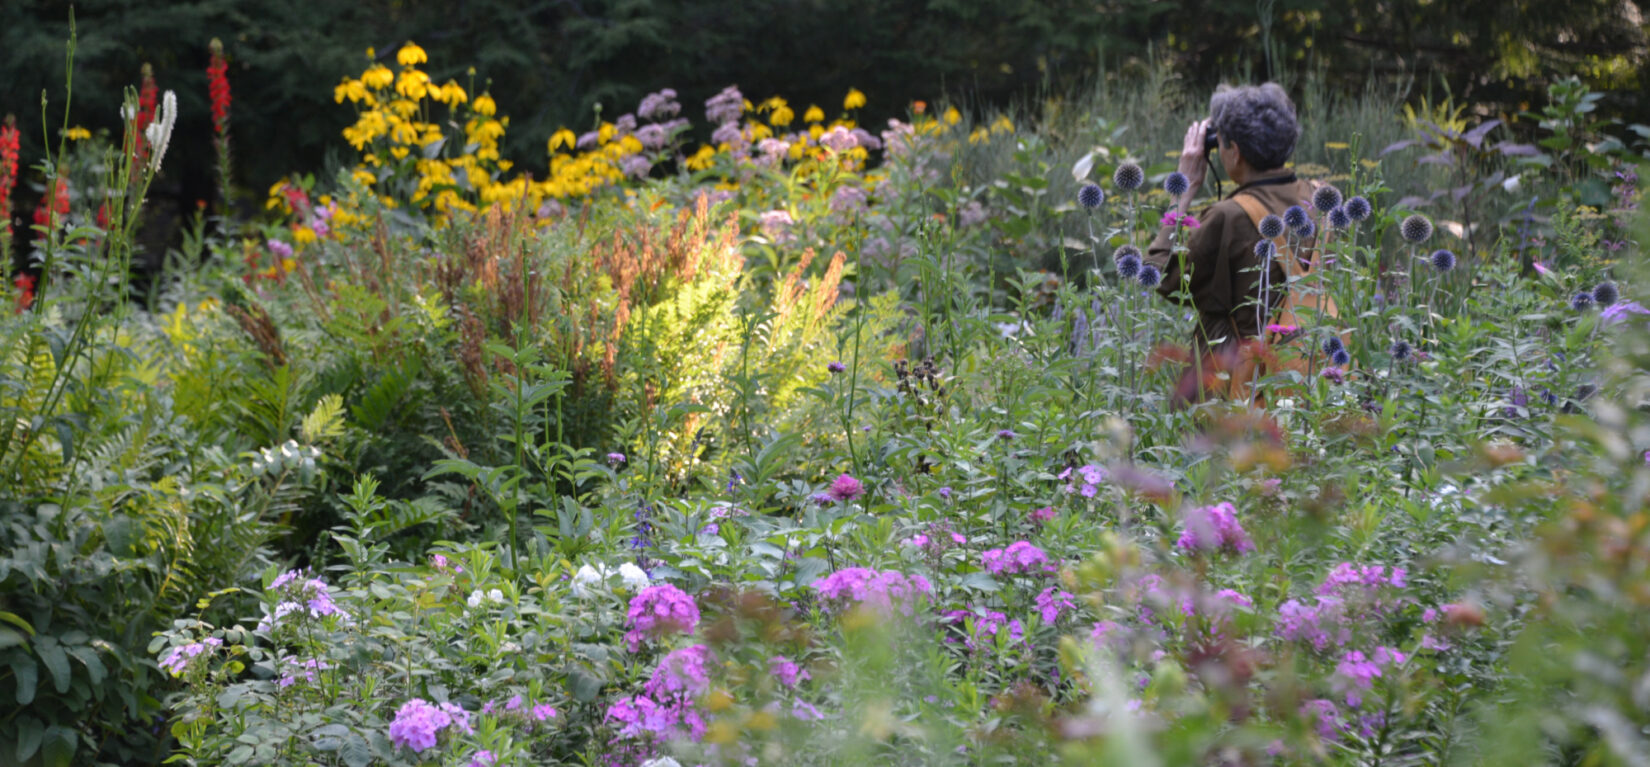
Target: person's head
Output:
[(1259, 120)]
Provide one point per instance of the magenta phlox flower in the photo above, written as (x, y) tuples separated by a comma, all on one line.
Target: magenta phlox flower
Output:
[(786, 671), (1357, 672), (1043, 515), (177, 659), (986, 624), (1214, 528), (640, 716), (1017, 558), (294, 671), (300, 594), (1326, 717), (681, 675), (417, 723), (1053, 602), (658, 610), (885, 591), (543, 712), (1089, 478)]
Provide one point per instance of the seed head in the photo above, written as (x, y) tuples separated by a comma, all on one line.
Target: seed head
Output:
[(1416, 229), (1327, 198), (1271, 227), (1443, 261), (1606, 295), (1128, 266), (1358, 208), (1294, 217), (1091, 196), (1128, 177), (1150, 276), (1176, 184)]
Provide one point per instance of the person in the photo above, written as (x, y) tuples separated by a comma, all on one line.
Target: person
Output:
[(1256, 131)]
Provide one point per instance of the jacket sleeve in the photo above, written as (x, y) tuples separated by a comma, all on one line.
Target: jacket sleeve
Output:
[(1206, 260)]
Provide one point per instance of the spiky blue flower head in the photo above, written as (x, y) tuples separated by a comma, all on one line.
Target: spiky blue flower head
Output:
[(1341, 357), (1358, 208), (1443, 261), (1128, 177), (1333, 344), (1400, 351), (1149, 276), (1091, 196), (1327, 198), (1265, 249), (1176, 184), (1606, 295), (1294, 217), (1271, 227), (1416, 229), (1125, 250), (1128, 266), (1306, 230), (1339, 218), (1582, 301)]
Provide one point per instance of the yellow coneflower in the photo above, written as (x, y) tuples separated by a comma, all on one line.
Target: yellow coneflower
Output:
[(484, 105), (562, 138), (77, 133), (378, 77), (814, 114), (410, 54), (854, 99), (952, 116)]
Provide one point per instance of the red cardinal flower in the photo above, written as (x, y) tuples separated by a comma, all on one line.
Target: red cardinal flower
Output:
[(217, 74)]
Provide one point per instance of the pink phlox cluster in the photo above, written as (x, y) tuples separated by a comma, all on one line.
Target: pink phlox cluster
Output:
[(178, 658), (639, 715), (1019, 557), (294, 671), (1214, 528), (936, 539), (1053, 602), (1043, 515), (300, 594), (1349, 595), (681, 675), (986, 624), (786, 671), (658, 610), (1369, 576), (1089, 478), (885, 590), (1357, 672), (418, 722), (1326, 717)]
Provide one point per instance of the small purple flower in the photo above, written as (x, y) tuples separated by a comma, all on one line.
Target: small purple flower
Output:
[(886, 590), (786, 671), (417, 723), (1053, 602), (659, 610), (279, 248), (1214, 528), (835, 366), (616, 458), (1017, 558), (1007, 435)]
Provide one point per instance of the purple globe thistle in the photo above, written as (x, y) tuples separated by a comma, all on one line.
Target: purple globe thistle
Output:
[(835, 366), (1326, 198), (1149, 276), (1271, 227), (1176, 184), (1606, 295), (1128, 266), (1007, 435), (1128, 177), (1582, 301), (1091, 196), (1341, 357), (1306, 230), (1125, 250), (1400, 351), (1265, 250), (1333, 344), (1294, 217), (1339, 218), (1416, 229), (846, 488), (1358, 208), (1443, 261)]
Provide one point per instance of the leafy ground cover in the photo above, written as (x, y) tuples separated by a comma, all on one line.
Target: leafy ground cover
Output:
[(822, 443)]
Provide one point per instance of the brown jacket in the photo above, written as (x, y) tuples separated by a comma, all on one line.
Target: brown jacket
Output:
[(1222, 261)]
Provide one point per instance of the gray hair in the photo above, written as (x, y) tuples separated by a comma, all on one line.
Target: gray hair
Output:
[(1260, 119)]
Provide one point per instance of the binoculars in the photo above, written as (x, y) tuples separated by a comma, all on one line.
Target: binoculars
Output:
[(1211, 140)]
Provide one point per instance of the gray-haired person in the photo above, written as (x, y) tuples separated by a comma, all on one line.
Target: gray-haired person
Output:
[(1256, 131)]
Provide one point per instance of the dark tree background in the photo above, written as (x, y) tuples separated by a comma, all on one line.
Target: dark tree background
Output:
[(551, 61)]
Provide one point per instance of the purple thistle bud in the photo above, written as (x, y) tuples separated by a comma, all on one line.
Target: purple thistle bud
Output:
[(1091, 196), (1271, 227), (1128, 177), (1443, 261), (1606, 295), (1128, 266), (1339, 218), (1176, 184), (1358, 208), (1326, 198), (1333, 344), (1416, 229), (1149, 276), (1306, 230), (1341, 357), (835, 367), (1265, 249), (1400, 351), (1125, 250), (1294, 217), (1582, 301)]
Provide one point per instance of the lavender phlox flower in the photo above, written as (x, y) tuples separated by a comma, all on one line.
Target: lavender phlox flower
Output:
[(300, 594), (635, 166), (729, 134), (293, 671), (417, 723), (1052, 602), (659, 106), (725, 107), (987, 623), (178, 658), (865, 139), (838, 139), (682, 674), (786, 671), (1089, 478), (653, 137)]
